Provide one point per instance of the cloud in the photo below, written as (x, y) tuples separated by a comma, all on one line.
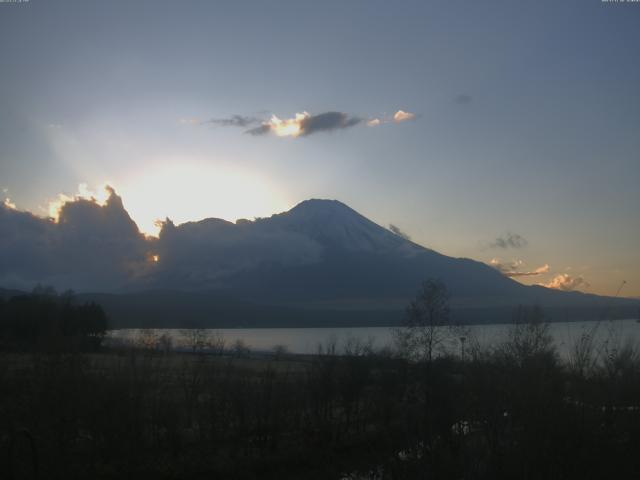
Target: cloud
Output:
[(398, 117), (9, 204), (566, 282), (538, 271), (402, 116), (510, 240), (261, 130), (88, 246), (512, 269), (84, 193), (304, 124), (399, 232), (301, 124), (463, 99), (233, 121), (92, 244), (328, 121), (200, 254)]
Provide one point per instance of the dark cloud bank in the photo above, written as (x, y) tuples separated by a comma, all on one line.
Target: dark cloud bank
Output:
[(99, 247), (326, 122), (91, 246)]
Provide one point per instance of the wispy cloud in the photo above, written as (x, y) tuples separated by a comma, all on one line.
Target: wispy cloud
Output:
[(513, 269), (261, 130), (304, 124), (509, 240), (233, 121), (398, 117), (566, 282), (399, 232), (301, 124)]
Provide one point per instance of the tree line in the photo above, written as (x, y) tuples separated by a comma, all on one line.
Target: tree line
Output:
[(45, 319)]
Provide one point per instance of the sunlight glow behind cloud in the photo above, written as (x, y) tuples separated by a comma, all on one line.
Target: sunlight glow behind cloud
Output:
[(289, 127), (99, 196), (302, 124), (189, 191), (183, 191)]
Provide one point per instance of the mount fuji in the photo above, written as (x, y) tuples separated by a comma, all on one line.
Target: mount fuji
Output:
[(320, 263), (323, 263)]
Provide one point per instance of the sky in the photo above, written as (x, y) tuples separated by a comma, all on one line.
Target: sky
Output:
[(507, 132)]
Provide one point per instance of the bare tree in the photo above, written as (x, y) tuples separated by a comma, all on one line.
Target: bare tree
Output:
[(427, 322), (529, 337), (583, 355), (147, 339), (165, 343), (280, 351), (240, 348), (217, 343), (196, 339)]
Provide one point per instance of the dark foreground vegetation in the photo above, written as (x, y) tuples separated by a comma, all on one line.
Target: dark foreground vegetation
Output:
[(514, 411)]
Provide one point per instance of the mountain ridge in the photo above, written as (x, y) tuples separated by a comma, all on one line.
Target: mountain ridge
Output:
[(321, 256)]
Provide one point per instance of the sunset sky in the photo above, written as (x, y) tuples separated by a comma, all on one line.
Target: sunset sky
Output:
[(507, 132)]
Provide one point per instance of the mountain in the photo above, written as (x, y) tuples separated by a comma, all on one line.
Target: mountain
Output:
[(319, 250), (323, 259), (320, 263)]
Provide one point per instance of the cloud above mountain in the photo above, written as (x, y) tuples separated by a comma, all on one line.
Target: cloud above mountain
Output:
[(302, 124), (305, 124), (513, 269), (566, 282), (399, 117), (399, 232), (233, 121), (402, 116), (91, 245), (201, 253), (509, 240)]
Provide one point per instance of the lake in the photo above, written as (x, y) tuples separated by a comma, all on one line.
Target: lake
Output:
[(307, 340)]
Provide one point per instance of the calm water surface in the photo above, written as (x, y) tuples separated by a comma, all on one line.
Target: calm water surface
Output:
[(307, 340)]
